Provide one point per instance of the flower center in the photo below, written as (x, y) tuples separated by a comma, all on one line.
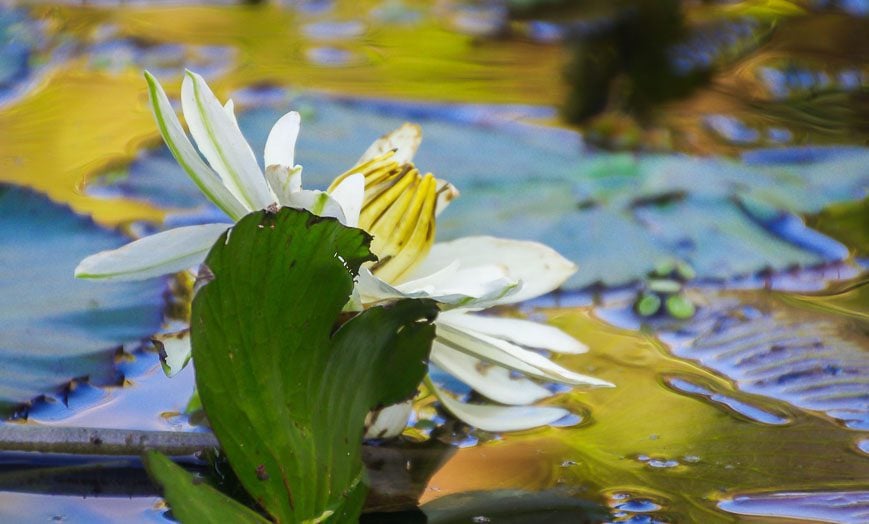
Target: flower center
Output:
[(399, 211)]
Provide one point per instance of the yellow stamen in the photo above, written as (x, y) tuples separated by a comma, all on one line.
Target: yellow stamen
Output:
[(399, 211)]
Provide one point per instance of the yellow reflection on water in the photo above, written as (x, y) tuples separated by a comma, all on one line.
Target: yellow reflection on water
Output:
[(80, 120), (643, 438), (421, 59), (72, 126)]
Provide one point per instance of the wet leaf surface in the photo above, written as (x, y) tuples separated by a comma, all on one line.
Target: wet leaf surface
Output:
[(24, 47), (30, 507), (54, 328)]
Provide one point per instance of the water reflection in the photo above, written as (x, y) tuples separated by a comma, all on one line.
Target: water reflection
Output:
[(680, 439), (845, 506), (145, 400), (25, 507), (656, 443), (756, 414)]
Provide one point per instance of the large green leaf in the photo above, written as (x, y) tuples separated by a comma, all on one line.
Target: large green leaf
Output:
[(54, 328), (287, 394)]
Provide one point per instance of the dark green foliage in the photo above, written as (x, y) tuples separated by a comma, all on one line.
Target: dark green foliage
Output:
[(286, 390)]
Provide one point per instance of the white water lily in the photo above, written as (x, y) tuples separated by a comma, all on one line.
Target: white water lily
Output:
[(465, 276), (387, 196), (232, 180)]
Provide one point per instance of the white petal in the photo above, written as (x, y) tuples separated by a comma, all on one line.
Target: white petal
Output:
[(509, 355), (284, 181), (317, 202), (484, 285), (173, 134), (490, 380), (281, 143), (388, 422), (350, 193), (175, 351), (229, 107), (166, 252), (522, 332), (499, 418), (405, 141), (354, 303), (539, 268), (221, 142), (373, 290)]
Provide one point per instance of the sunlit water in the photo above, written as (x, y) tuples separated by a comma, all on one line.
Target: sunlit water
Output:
[(709, 420)]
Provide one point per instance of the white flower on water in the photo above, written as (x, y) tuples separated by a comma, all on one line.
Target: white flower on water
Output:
[(465, 276), (387, 196)]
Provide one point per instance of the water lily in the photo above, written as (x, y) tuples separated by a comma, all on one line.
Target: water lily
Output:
[(464, 276), (232, 180), (386, 195)]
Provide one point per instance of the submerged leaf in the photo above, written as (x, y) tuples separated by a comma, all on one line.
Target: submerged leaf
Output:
[(287, 394), (514, 507)]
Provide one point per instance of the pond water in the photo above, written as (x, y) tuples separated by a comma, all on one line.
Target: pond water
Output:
[(755, 409)]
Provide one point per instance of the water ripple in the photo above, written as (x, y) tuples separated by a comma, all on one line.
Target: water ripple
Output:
[(830, 506), (741, 407), (772, 349)]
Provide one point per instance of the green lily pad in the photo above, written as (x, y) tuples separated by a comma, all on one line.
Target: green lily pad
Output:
[(618, 216), (285, 392), (54, 328)]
